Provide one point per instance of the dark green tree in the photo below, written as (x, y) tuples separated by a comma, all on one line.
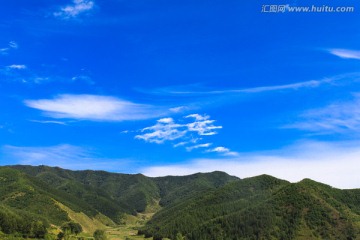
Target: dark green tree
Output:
[(100, 235), (72, 227)]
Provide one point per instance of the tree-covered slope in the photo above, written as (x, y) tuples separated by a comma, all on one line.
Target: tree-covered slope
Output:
[(110, 193), (27, 206), (199, 206), (127, 193), (178, 188), (263, 208)]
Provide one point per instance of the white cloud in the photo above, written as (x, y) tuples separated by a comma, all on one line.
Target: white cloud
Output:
[(203, 126), (178, 109), (21, 73), (336, 164), (64, 155), (49, 122), (17, 66), (11, 45), (94, 107), (223, 150), (166, 120), (345, 53), (337, 117), (180, 144), (72, 11), (219, 149), (203, 145), (261, 89), (164, 130)]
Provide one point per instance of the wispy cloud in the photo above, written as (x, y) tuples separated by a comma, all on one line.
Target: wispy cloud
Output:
[(223, 150), (176, 91), (167, 130), (202, 125), (336, 164), (49, 122), (23, 74), (345, 53), (94, 108), (11, 45), (179, 109), (17, 66), (186, 132), (164, 130), (203, 145), (72, 11), (337, 117), (180, 144), (64, 155)]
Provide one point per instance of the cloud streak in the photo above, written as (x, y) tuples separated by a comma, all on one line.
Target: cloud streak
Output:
[(340, 117), (223, 150), (94, 108), (11, 45), (345, 53), (203, 145), (262, 89), (17, 66), (78, 7)]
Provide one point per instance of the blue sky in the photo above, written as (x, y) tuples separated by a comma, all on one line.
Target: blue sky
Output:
[(177, 87)]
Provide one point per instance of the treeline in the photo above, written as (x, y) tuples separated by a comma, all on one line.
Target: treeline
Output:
[(22, 224)]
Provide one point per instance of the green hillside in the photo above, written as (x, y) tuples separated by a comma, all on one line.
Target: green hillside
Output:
[(36, 202), (177, 189), (55, 196), (263, 207), (115, 194)]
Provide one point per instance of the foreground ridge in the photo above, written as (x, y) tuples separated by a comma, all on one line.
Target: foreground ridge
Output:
[(35, 202)]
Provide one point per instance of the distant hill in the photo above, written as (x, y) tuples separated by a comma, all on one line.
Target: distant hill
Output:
[(199, 206)]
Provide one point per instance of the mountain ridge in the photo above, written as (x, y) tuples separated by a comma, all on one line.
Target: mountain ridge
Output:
[(197, 206)]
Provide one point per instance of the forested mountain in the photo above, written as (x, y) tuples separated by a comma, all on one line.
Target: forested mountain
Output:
[(200, 206), (263, 207)]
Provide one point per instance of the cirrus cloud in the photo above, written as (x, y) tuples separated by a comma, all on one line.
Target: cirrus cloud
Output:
[(187, 132), (94, 108), (338, 117), (72, 11), (346, 53), (223, 150), (11, 45), (17, 66), (164, 130)]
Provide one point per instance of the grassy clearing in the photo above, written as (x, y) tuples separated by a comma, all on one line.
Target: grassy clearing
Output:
[(129, 230), (88, 224)]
